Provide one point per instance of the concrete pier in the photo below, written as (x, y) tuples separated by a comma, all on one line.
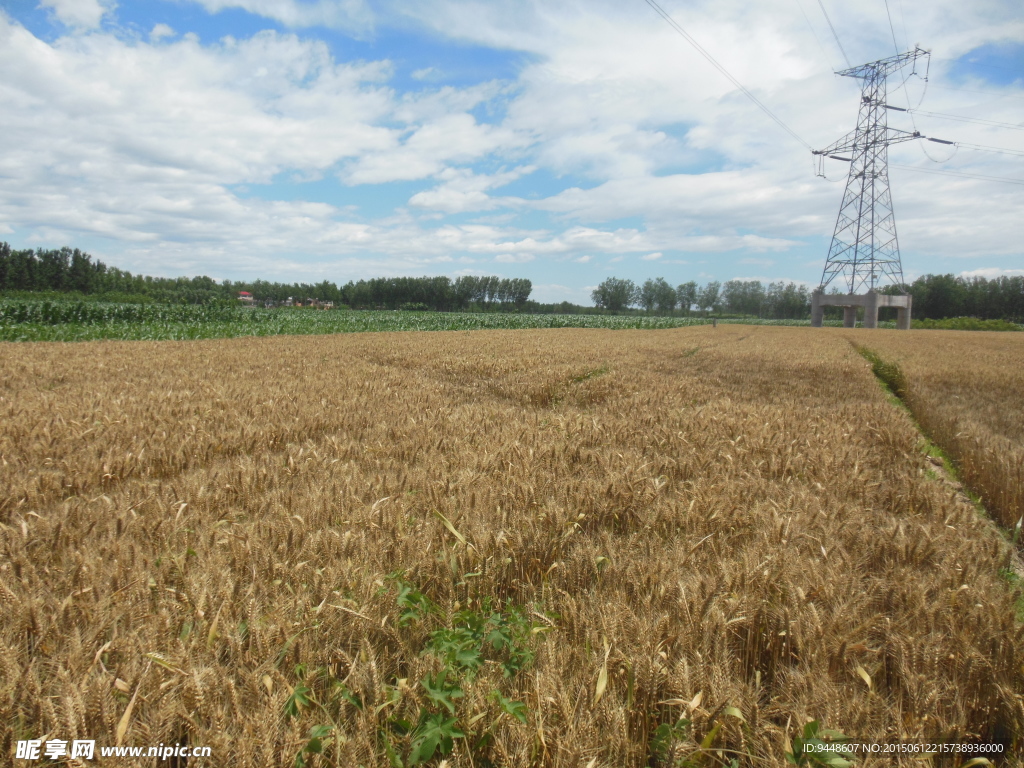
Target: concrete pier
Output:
[(871, 301)]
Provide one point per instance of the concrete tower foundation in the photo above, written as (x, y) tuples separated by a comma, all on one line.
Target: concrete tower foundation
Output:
[(871, 301)]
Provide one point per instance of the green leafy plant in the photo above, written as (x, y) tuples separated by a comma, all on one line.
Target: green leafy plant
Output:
[(319, 739), (301, 698), (471, 639), (465, 645), (342, 692), (414, 604), (665, 738), (434, 732), (458, 647), (517, 709), (441, 691)]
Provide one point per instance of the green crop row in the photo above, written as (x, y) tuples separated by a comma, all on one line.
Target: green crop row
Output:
[(968, 324), (54, 321), (20, 312), (22, 320)]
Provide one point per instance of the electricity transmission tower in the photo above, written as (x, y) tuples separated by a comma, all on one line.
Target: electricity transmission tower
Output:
[(864, 247)]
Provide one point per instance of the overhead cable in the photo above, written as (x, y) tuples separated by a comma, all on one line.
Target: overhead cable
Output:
[(895, 45), (841, 49), (1001, 179), (997, 150), (686, 36), (811, 27), (964, 119), (906, 37)]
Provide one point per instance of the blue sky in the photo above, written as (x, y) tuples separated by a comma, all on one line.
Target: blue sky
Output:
[(564, 142)]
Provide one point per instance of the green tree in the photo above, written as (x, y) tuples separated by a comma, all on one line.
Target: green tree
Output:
[(615, 294), (519, 291), (665, 296), (745, 297), (788, 301), (465, 289), (938, 296), (708, 297), (5, 266), (491, 289), (658, 293), (686, 295), (648, 296), (80, 273)]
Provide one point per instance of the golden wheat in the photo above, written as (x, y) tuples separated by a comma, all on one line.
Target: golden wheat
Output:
[(731, 526), (966, 389)]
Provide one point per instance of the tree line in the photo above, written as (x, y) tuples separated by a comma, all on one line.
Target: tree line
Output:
[(934, 297), (67, 270), (437, 293), (778, 300)]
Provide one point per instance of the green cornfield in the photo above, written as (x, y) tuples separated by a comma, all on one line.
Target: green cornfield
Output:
[(22, 320)]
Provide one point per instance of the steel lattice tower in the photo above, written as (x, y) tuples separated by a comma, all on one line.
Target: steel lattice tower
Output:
[(864, 246)]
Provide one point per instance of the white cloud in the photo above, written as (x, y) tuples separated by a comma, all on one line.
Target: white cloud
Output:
[(160, 31), (78, 14), (147, 146), (766, 280), (135, 142), (556, 292), (991, 273), (353, 16), (513, 258), (462, 190), (652, 256), (432, 146), (607, 79)]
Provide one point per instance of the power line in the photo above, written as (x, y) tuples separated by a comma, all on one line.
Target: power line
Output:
[(811, 27), (943, 172), (961, 118), (895, 45), (967, 145), (746, 92), (997, 150), (927, 154), (686, 36), (903, 19), (841, 49)]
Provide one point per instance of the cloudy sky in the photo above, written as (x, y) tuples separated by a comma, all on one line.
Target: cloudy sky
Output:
[(560, 140)]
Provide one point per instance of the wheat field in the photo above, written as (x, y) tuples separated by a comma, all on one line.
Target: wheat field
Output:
[(967, 392), (511, 548)]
